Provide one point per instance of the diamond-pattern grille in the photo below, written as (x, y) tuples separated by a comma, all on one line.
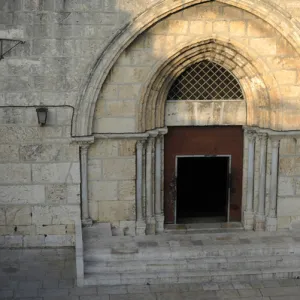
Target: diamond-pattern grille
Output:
[(205, 81)]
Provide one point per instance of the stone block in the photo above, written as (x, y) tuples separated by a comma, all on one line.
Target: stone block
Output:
[(197, 27), (126, 190), (103, 190), (9, 153), (116, 211), (283, 222), (114, 169), (93, 209), (94, 170), (286, 166), (286, 76), (18, 215), (2, 216), (127, 147), (51, 229), (286, 186), (59, 241), (7, 230), (220, 27), (121, 108), (267, 46), (230, 12), (63, 214), (15, 173), (56, 193), (237, 28), (49, 152), (103, 148), (22, 194), (73, 194), (288, 146), (288, 206), (34, 241), (25, 230), (259, 28), (177, 26), (15, 241), (56, 173)]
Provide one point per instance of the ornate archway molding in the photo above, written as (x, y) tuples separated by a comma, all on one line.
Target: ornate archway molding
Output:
[(279, 19), (253, 74)]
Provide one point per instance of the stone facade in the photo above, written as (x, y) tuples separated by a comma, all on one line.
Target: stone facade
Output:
[(100, 66)]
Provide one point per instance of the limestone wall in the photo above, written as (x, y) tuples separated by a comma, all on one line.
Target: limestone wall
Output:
[(111, 173), (39, 178)]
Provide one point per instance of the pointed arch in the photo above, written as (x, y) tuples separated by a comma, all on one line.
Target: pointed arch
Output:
[(283, 22), (253, 75)]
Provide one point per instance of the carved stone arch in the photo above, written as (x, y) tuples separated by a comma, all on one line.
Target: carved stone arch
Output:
[(251, 74), (283, 22)]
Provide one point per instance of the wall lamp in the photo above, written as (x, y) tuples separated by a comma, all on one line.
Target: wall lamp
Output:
[(42, 115)]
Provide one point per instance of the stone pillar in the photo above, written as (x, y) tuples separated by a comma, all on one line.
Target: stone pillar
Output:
[(260, 215), (84, 144), (140, 218), (159, 217), (150, 219), (248, 213), (271, 222)]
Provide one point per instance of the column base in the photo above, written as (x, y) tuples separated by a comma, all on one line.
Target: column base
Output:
[(260, 223), (140, 228), (87, 222), (150, 227), (159, 223), (271, 224), (248, 220)]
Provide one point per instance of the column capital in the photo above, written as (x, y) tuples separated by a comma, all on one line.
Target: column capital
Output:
[(140, 143), (251, 134), (262, 136), (84, 142)]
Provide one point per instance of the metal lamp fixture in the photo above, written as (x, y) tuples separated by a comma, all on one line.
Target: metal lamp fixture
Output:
[(42, 115)]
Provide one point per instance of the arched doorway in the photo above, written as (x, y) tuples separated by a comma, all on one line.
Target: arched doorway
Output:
[(203, 167)]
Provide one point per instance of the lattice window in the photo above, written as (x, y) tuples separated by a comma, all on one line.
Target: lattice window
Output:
[(206, 81)]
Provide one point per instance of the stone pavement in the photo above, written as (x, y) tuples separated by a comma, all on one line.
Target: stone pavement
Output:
[(45, 274)]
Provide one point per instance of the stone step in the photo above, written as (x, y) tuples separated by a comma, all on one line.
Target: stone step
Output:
[(191, 276), (134, 253), (204, 264)]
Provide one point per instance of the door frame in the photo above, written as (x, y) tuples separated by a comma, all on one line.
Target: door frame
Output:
[(228, 181)]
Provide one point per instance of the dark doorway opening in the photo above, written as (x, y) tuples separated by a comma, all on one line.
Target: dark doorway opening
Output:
[(202, 189)]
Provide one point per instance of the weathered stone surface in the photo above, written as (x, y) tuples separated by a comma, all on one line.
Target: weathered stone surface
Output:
[(56, 173), (127, 147), (56, 194), (51, 229), (2, 215), (126, 190), (73, 194), (286, 186), (120, 168), (103, 148), (116, 210), (18, 215), (9, 153), (103, 190), (15, 173), (49, 152), (47, 215), (288, 206), (22, 194), (95, 169)]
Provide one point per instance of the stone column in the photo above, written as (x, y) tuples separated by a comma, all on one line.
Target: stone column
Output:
[(140, 219), (150, 219), (248, 213), (271, 222), (84, 144), (260, 215), (159, 217)]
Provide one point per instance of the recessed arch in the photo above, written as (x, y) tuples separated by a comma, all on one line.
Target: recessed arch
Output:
[(85, 106), (251, 74)]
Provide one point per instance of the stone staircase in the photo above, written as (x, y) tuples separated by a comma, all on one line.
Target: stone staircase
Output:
[(189, 257)]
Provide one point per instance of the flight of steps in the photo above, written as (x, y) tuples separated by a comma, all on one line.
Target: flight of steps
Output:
[(188, 258)]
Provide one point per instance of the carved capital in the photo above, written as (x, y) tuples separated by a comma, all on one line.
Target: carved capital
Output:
[(140, 144), (262, 136), (251, 135)]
